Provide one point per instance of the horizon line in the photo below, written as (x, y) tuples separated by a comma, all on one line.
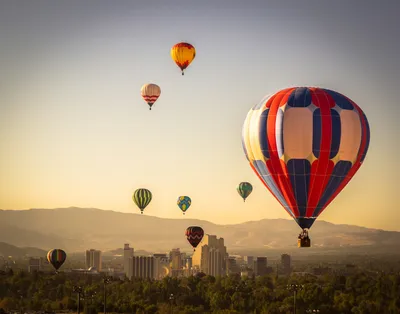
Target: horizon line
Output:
[(247, 221)]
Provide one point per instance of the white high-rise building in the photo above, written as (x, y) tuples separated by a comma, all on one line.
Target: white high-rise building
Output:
[(183, 259), (210, 256), (162, 266), (93, 259), (128, 253), (188, 268), (175, 257), (189, 263), (142, 267)]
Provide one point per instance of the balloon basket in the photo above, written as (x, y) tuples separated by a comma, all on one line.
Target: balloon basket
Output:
[(306, 242), (303, 239)]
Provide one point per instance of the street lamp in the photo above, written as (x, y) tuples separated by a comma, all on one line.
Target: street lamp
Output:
[(88, 297), (78, 290), (171, 300), (22, 300), (91, 296), (312, 311), (106, 281), (294, 288)]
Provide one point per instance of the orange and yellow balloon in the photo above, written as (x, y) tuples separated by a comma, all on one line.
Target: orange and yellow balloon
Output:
[(183, 54), (150, 93)]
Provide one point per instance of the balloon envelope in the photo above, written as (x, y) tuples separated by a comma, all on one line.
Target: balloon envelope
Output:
[(194, 235), (150, 93), (56, 257), (183, 54), (184, 203), (305, 144), (244, 189), (142, 198)]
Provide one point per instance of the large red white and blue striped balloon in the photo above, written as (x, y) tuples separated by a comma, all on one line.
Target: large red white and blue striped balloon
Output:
[(305, 144)]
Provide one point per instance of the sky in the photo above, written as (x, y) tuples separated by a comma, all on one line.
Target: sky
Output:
[(74, 130)]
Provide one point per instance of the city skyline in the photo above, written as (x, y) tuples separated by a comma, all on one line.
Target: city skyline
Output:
[(211, 257), (74, 130), (238, 290)]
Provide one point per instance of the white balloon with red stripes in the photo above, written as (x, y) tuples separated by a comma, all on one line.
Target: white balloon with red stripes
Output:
[(150, 93)]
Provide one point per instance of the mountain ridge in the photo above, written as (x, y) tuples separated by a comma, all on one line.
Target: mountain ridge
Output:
[(156, 217), (7, 249), (77, 229)]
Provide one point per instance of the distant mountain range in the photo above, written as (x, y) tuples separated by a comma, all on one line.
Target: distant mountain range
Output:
[(77, 229), (11, 250)]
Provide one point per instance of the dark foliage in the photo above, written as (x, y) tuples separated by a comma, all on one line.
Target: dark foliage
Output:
[(363, 292)]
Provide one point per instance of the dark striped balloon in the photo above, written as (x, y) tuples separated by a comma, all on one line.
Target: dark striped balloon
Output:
[(244, 189), (56, 257), (142, 198), (194, 235)]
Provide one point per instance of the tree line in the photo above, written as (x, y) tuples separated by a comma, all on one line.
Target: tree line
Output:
[(360, 293)]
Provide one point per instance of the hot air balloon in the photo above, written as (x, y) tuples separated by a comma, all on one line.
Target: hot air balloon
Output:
[(194, 235), (305, 144), (56, 257), (150, 93), (244, 189), (142, 198), (183, 54), (184, 203)]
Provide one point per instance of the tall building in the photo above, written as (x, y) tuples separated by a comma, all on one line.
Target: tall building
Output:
[(161, 266), (35, 264), (286, 263), (231, 266), (175, 258), (261, 266), (250, 261), (142, 267), (93, 259), (176, 262), (183, 258), (210, 256), (128, 253), (189, 263), (187, 267)]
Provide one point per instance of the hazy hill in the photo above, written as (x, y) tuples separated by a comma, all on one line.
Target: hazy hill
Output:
[(77, 229), (11, 250)]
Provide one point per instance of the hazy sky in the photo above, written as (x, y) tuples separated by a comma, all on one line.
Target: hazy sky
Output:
[(74, 130)]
